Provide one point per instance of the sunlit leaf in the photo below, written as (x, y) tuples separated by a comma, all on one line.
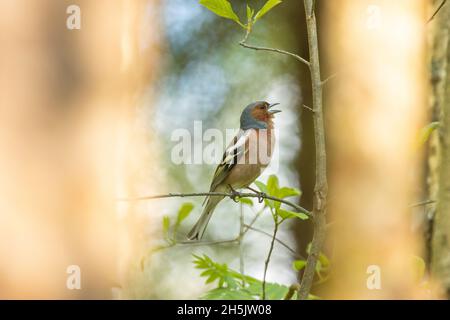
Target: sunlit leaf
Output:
[(246, 201), (288, 192), (287, 214), (266, 8), (222, 8), (419, 268), (298, 265), (272, 185), (166, 225), (261, 186), (184, 212), (426, 132), (250, 13), (324, 260), (227, 294), (232, 285)]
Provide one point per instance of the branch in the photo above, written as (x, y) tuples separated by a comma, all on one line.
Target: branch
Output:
[(437, 10), (266, 263), (240, 238), (324, 82), (297, 255), (422, 203), (292, 290), (321, 185), (293, 55), (232, 195)]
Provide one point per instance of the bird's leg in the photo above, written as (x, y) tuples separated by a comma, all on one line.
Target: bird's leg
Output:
[(234, 194), (261, 195)]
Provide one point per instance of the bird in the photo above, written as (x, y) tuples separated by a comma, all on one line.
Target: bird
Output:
[(245, 158)]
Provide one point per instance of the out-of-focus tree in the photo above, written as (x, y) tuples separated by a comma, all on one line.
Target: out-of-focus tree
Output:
[(376, 109), (439, 145), (68, 104)]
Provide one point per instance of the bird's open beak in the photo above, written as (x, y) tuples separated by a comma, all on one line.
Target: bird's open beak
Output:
[(273, 111)]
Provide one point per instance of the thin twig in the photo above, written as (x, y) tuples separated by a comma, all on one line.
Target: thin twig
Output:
[(422, 203), (437, 10), (233, 195), (293, 55), (324, 82), (207, 243), (241, 236), (308, 108), (297, 255), (266, 263), (292, 290)]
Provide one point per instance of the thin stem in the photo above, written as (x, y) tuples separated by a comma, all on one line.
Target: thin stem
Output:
[(293, 55), (241, 236), (221, 194), (324, 82), (437, 10), (266, 264), (321, 186), (297, 255), (422, 203)]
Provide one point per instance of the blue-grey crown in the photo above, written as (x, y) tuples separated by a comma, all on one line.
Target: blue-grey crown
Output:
[(247, 120)]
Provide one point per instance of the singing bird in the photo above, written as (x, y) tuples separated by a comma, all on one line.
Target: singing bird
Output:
[(246, 157)]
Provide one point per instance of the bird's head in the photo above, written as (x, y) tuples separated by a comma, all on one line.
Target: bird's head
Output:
[(258, 115)]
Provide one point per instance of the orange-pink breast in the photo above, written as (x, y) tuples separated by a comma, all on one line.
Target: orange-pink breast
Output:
[(259, 146)]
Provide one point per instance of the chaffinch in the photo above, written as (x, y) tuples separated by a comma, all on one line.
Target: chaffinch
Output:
[(248, 154)]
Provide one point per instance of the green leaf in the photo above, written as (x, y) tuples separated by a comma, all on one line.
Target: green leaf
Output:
[(287, 214), (222, 8), (261, 186), (166, 225), (288, 192), (324, 260), (266, 8), (298, 265), (272, 185), (246, 201), (232, 285), (215, 271), (419, 268), (184, 212), (250, 13), (274, 291), (227, 294), (426, 132)]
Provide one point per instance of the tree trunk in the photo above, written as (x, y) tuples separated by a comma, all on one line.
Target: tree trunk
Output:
[(376, 109), (439, 159)]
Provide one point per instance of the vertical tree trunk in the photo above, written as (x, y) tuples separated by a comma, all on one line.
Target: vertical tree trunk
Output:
[(67, 101), (439, 160), (376, 109)]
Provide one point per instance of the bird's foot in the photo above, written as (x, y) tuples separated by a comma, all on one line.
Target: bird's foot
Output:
[(261, 195), (234, 194)]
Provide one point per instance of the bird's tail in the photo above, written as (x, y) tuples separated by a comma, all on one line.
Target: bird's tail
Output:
[(199, 228)]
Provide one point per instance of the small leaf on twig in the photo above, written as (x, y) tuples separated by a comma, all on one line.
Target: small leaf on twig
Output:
[(266, 8), (250, 13), (261, 186), (287, 214), (426, 132), (184, 212), (298, 265), (166, 225), (222, 8)]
